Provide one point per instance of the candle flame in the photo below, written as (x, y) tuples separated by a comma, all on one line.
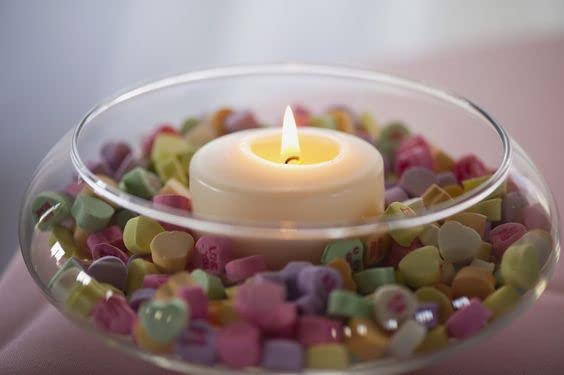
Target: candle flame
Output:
[(290, 148)]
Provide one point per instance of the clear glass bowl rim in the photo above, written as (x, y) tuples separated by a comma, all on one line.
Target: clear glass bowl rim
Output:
[(285, 229)]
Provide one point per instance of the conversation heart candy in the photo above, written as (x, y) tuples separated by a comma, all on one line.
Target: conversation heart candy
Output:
[(212, 254), (415, 180), (314, 330), (121, 217), (404, 236), (430, 294), (416, 204), (430, 235), (240, 269), (168, 144), (490, 208), (91, 214), (222, 312), (140, 296), (163, 321), (240, 120), (406, 339), (345, 304), (50, 208), (427, 315), (255, 300), (413, 151), (504, 235), (350, 250), (197, 344), (471, 219), (110, 270), (196, 299), (393, 304), (421, 267), (174, 187), (138, 234), (140, 182), (344, 269), (468, 320), (489, 266), (376, 248), (148, 141), (113, 315), (62, 244), (435, 195), (542, 242), (327, 356), (535, 217), (311, 304), (85, 294), (170, 167), (171, 251), (446, 178), (372, 278), (394, 194), (238, 345), (501, 300), (105, 249), (520, 266), (143, 340), (513, 206), (270, 276), (111, 235), (290, 275), (211, 284), (474, 182), (473, 282), (155, 281), (365, 340), (137, 269), (114, 153), (469, 166), (282, 355), (458, 243), (177, 201), (64, 279), (435, 339), (319, 280)]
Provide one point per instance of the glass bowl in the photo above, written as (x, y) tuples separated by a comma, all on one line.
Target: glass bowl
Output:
[(451, 123)]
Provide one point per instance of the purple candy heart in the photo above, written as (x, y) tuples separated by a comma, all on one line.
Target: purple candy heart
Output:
[(290, 275), (319, 280), (310, 304), (110, 270), (416, 180), (197, 344), (512, 207), (113, 154), (394, 194), (140, 296), (105, 249), (282, 355), (427, 314)]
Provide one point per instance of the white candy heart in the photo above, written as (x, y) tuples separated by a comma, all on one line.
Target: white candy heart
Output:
[(393, 304), (458, 243)]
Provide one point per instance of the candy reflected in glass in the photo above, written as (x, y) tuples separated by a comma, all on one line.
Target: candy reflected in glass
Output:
[(413, 289)]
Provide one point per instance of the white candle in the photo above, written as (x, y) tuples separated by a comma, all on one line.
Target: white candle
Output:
[(253, 176)]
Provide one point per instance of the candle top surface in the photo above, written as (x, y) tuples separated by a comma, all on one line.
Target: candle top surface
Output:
[(314, 149)]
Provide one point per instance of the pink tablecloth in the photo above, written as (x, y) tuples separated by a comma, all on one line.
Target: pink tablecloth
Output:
[(522, 84)]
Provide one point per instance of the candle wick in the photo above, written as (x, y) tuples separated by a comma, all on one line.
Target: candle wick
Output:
[(291, 159)]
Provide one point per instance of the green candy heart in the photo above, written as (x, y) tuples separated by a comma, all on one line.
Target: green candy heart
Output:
[(520, 266), (169, 167), (167, 145), (369, 280), (140, 183), (211, 284), (91, 214), (345, 304), (350, 250), (163, 321), (490, 208), (421, 267), (405, 236), (49, 209)]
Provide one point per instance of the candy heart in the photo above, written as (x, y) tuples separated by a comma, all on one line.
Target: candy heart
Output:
[(282, 355), (350, 250), (393, 304), (458, 243), (114, 315), (140, 182), (211, 284), (111, 235), (138, 234), (421, 267), (473, 282), (137, 269), (171, 251), (407, 338), (140, 296), (50, 208), (541, 241), (114, 153), (91, 214), (105, 249), (372, 278), (319, 280), (504, 235), (110, 270), (520, 266), (430, 294), (212, 254), (163, 321), (365, 340), (405, 236), (416, 180), (197, 344)]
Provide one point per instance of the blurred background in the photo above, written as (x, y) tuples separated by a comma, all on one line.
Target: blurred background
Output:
[(59, 58)]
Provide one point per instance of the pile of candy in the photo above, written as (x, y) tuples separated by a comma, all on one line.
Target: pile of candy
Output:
[(410, 290)]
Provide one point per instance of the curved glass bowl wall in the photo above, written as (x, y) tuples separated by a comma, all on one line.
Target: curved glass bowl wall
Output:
[(448, 122)]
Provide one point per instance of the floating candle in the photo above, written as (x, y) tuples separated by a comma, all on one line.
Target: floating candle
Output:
[(267, 175)]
